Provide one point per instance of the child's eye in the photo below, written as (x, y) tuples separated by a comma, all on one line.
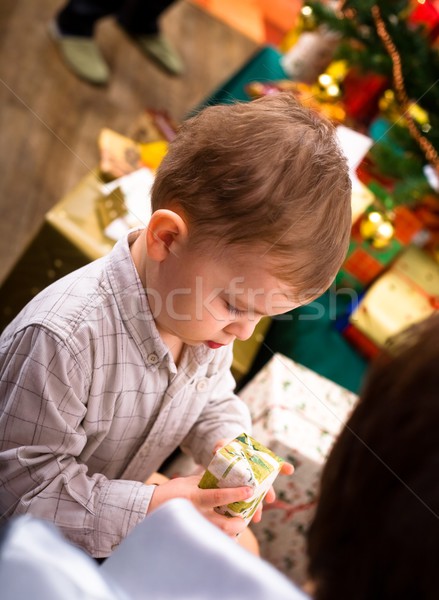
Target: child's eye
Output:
[(234, 311)]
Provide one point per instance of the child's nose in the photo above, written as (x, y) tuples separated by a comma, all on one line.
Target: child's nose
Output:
[(243, 328)]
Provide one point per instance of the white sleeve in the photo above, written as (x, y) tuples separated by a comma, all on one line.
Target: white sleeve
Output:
[(204, 562), (38, 563)]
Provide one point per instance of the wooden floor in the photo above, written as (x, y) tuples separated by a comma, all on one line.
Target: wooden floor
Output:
[(49, 120)]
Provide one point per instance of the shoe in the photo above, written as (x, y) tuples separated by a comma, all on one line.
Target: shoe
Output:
[(82, 55), (157, 47)]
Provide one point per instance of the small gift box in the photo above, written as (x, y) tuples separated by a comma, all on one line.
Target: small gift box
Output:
[(243, 462), (120, 155), (364, 263)]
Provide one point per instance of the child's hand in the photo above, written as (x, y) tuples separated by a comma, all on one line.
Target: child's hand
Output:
[(204, 500), (286, 469)]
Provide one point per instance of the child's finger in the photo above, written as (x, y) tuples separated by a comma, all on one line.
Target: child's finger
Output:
[(257, 517), (231, 526), (270, 496), (287, 469), (218, 497), (220, 444)]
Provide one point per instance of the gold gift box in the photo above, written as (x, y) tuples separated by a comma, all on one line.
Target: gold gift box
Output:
[(406, 294)]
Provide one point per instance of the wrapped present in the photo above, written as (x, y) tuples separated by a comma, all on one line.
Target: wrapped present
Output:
[(120, 155), (297, 413), (407, 293), (243, 462), (153, 126), (152, 153), (361, 342), (422, 271), (408, 227), (364, 263), (125, 203)]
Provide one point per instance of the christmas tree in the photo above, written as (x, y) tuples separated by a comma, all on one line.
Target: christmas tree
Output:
[(395, 39)]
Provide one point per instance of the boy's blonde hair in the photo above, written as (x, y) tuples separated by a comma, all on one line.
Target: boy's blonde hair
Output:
[(265, 176)]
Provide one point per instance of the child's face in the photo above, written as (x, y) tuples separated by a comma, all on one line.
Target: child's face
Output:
[(215, 301)]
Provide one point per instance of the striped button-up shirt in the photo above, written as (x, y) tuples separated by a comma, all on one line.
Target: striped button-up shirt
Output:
[(92, 403)]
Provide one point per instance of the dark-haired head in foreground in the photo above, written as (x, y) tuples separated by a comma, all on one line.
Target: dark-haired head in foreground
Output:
[(376, 530)]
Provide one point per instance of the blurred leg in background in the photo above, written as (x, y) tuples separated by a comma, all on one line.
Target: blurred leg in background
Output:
[(73, 31)]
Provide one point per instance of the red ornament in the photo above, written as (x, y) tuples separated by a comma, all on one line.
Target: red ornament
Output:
[(427, 14)]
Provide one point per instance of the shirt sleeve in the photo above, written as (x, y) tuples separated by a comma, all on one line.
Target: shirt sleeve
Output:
[(43, 403), (224, 416)]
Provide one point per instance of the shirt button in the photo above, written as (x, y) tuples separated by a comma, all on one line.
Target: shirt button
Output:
[(202, 385), (152, 359)]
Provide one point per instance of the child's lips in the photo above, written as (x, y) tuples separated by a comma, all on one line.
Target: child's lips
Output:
[(214, 345)]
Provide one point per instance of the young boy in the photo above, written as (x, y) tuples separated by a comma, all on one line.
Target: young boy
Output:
[(110, 369)]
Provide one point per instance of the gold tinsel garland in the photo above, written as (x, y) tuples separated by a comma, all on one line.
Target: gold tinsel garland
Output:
[(398, 80)]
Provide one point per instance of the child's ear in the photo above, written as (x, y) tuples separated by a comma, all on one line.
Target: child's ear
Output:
[(164, 230)]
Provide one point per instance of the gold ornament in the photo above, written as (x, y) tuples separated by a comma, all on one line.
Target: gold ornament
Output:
[(326, 89), (338, 69), (328, 85), (420, 116), (390, 108), (377, 228)]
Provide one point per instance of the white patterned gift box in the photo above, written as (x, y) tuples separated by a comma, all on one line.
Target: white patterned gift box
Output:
[(297, 414)]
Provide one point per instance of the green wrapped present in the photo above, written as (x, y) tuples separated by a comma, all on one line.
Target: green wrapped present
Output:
[(243, 462)]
